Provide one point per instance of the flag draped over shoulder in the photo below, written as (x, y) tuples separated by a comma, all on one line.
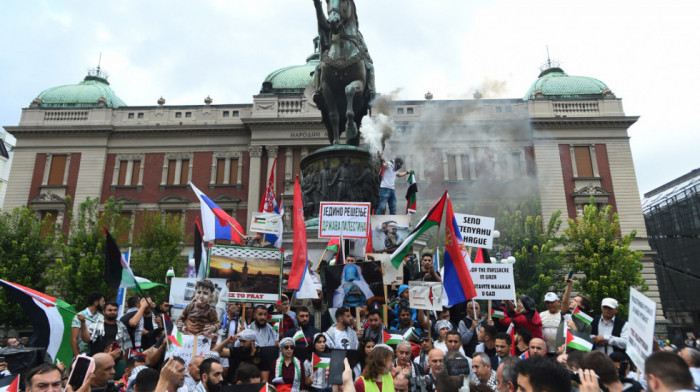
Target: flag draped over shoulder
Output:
[(50, 317), (217, 224), (299, 276), (432, 218), (457, 281), (411, 193)]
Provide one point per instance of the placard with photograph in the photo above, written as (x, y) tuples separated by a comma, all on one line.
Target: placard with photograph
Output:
[(255, 272)]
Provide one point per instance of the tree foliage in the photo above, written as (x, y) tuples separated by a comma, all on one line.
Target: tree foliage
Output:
[(158, 247), (596, 249), (26, 248), (80, 269), (539, 268)]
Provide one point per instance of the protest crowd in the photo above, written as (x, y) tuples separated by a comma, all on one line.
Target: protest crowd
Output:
[(345, 338)]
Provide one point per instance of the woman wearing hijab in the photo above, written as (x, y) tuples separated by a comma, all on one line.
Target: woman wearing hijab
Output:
[(317, 378), (377, 374), (287, 372), (443, 327), (525, 316)]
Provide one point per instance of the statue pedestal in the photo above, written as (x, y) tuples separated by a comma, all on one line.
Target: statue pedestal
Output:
[(338, 173)]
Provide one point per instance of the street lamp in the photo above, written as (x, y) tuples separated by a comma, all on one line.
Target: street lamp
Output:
[(501, 257)]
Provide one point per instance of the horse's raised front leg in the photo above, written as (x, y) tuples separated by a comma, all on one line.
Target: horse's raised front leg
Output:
[(352, 90)]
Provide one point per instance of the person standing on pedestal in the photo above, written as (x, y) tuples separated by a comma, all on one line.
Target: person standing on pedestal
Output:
[(390, 170)]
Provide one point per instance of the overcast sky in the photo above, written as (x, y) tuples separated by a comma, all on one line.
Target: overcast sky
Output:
[(646, 52)]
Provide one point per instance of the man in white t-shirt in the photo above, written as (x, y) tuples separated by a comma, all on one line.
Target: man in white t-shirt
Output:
[(390, 170), (550, 322)]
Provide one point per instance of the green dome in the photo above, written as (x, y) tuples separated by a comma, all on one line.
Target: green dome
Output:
[(554, 83), (85, 94), (295, 78)]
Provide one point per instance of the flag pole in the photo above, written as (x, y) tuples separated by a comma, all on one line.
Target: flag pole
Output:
[(318, 266), (239, 233)]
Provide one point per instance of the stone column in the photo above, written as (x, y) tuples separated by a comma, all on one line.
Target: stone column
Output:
[(253, 182)]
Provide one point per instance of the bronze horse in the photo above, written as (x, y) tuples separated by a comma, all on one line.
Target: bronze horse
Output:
[(345, 78)]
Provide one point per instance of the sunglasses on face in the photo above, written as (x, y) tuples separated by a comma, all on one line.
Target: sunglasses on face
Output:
[(288, 347)]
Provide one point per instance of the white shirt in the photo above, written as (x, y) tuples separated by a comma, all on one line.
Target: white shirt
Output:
[(443, 346), (389, 176), (550, 324), (605, 329)]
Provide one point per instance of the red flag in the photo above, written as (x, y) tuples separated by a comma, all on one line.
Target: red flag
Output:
[(457, 280), (300, 258), (267, 204), (370, 246), (511, 331), (482, 256)]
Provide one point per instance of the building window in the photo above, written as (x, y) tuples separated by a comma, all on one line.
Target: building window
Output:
[(451, 167), (226, 112), (131, 116), (57, 170), (129, 172), (509, 109), (399, 110), (140, 115), (49, 222), (466, 168), (516, 165), (409, 111), (498, 109), (235, 113), (583, 164), (188, 114), (178, 114), (177, 169), (226, 170), (449, 110)]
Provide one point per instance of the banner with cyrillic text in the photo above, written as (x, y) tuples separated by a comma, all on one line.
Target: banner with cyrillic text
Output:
[(476, 230), (350, 219)]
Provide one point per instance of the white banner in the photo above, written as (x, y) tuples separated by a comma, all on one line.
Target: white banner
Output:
[(476, 231), (493, 281), (350, 219), (425, 295), (642, 319), (265, 222), (188, 342), (390, 274)]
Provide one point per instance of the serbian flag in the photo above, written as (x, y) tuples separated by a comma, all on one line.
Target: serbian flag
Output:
[(7, 384), (268, 204), (511, 332), (50, 317), (456, 280), (299, 276), (276, 239), (411, 193), (482, 256), (369, 247), (217, 224), (432, 218)]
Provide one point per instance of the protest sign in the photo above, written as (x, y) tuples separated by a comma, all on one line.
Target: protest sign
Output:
[(350, 285), (390, 274), (476, 231), (350, 219), (389, 231), (255, 273), (188, 342), (182, 292), (493, 281), (265, 223), (642, 318), (425, 295)]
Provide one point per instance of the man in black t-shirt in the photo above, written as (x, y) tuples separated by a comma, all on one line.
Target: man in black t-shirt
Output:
[(141, 322), (241, 348), (103, 333)]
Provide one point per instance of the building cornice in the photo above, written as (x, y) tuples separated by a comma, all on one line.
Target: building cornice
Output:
[(583, 122)]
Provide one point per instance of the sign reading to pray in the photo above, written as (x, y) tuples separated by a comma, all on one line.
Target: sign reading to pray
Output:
[(425, 295), (493, 281), (476, 231), (642, 318), (346, 218)]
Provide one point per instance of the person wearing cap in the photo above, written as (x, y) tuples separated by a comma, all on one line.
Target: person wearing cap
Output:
[(524, 315), (390, 170), (551, 318), (608, 331), (242, 348)]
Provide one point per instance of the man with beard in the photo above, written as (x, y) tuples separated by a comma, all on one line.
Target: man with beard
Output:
[(319, 310), (264, 334), (304, 325), (108, 332), (211, 372), (341, 334), (404, 322), (241, 348), (141, 322), (375, 328), (95, 302)]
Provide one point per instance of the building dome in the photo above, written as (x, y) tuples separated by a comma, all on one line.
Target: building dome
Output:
[(292, 79), (93, 91), (554, 83)]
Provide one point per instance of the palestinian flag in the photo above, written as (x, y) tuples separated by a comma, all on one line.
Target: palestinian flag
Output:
[(411, 194), (432, 218), (388, 338), (577, 343), (497, 313), (579, 314), (50, 317), (333, 245), (482, 256), (176, 339), (7, 384), (117, 271), (299, 336), (275, 321), (320, 362), (412, 335)]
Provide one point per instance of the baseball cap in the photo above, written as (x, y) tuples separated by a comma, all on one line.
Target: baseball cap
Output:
[(610, 302), (551, 297)]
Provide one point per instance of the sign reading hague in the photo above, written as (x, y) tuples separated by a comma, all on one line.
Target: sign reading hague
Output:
[(476, 231), (350, 219)]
